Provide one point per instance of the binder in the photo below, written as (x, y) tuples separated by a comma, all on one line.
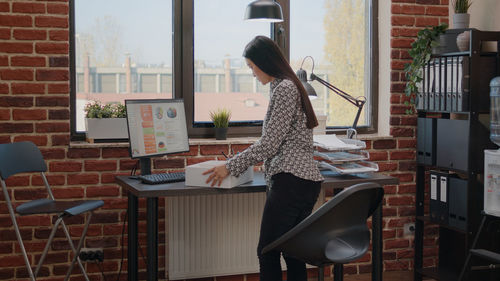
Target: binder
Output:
[(454, 88), (449, 82), (430, 141), (420, 91), (458, 203), (434, 199), (442, 81), (432, 89), (463, 86), (443, 199), (421, 140)]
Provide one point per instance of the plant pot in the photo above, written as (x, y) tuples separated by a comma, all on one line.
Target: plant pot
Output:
[(463, 41), (461, 21), (220, 133), (106, 128)]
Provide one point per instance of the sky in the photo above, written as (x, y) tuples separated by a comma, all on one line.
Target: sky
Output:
[(146, 27)]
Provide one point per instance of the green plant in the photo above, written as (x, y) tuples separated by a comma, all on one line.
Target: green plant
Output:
[(421, 51), (220, 117), (96, 109), (461, 6)]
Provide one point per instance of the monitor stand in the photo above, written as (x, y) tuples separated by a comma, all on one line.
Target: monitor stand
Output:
[(145, 163)]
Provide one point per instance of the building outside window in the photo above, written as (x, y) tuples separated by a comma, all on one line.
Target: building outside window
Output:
[(120, 54)]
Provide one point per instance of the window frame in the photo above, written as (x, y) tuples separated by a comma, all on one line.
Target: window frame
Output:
[(183, 69)]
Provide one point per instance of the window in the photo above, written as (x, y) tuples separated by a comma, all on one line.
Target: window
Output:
[(118, 53), (116, 58)]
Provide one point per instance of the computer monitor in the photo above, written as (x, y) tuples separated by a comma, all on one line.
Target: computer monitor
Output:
[(156, 127)]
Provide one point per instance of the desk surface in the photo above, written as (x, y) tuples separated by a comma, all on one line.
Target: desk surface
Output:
[(258, 184)]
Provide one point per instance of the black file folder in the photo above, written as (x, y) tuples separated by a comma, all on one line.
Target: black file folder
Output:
[(442, 84), (438, 205), (432, 89), (458, 203), (426, 141), (443, 199)]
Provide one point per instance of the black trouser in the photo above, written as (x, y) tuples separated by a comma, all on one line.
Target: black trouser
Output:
[(289, 200)]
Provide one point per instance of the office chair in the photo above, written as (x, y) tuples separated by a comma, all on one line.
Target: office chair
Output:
[(23, 157), (336, 233)]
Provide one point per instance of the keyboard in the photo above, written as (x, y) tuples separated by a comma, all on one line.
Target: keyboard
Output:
[(162, 178)]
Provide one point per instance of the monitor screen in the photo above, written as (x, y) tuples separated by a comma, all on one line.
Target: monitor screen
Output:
[(156, 127)]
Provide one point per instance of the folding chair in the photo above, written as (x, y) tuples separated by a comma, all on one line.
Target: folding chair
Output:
[(23, 157)]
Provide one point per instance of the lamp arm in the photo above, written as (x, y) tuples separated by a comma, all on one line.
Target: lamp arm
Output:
[(359, 103)]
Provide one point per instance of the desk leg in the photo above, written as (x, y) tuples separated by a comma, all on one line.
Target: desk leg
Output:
[(132, 238), (152, 233), (377, 244)]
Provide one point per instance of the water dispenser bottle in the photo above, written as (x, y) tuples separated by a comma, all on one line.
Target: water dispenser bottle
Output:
[(495, 110), (492, 157)]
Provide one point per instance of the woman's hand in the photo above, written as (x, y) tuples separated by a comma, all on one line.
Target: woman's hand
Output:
[(217, 175)]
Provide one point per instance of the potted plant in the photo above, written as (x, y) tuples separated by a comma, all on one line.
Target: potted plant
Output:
[(105, 121), (461, 17), (220, 118), (421, 52)]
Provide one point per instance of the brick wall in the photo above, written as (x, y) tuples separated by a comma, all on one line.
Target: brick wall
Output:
[(34, 105)]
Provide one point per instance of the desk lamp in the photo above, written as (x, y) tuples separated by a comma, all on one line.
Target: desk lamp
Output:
[(359, 102), (264, 10)]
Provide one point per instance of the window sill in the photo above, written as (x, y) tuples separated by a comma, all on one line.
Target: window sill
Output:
[(194, 141)]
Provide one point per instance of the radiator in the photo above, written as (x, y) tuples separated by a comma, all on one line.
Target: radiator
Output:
[(214, 235)]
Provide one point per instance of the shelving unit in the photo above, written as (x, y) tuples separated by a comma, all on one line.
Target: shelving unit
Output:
[(452, 133)]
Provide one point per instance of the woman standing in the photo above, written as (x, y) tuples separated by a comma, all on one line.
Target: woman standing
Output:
[(286, 147)]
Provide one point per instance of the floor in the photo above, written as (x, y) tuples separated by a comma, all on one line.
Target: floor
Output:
[(387, 276)]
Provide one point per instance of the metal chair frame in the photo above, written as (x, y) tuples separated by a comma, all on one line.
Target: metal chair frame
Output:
[(66, 209)]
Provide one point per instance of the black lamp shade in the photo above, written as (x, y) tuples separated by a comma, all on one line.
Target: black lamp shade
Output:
[(302, 74), (264, 10)]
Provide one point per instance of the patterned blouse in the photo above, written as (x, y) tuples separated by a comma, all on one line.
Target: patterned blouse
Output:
[(286, 144)]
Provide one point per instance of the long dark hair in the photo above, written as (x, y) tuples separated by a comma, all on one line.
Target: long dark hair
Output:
[(267, 56)]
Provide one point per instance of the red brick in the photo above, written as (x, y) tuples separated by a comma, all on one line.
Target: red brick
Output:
[(423, 22), (29, 114), (436, 11), (402, 155), (195, 160), (48, 21), (378, 155), (404, 178), (4, 7), (54, 180), (58, 61), (427, 2), (398, 65), (387, 167), (384, 144), (396, 265), (83, 153), (169, 163), (12, 261), (16, 128), (28, 8), (398, 87), (193, 151), (402, 21), (407, 166), (60, 140), (16, 101), (53, 127), (58, 88), (58, 35), (55, 8), (100, 165), (15, 20), (30, 34), (103, 191), (62, 114), (51, 48), (38, 140), (4, 33), (215, 149), (28, 88), (115, 152), (60, 101), (65, 166), (4, 114), (82, 179), (4, 88), (402, 132), (4, 60), (404, 143), (16, 74), (53, 153), (52, 75), (394, 120), (68, 192), (413, 10), (27, 61), (128, 164)]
